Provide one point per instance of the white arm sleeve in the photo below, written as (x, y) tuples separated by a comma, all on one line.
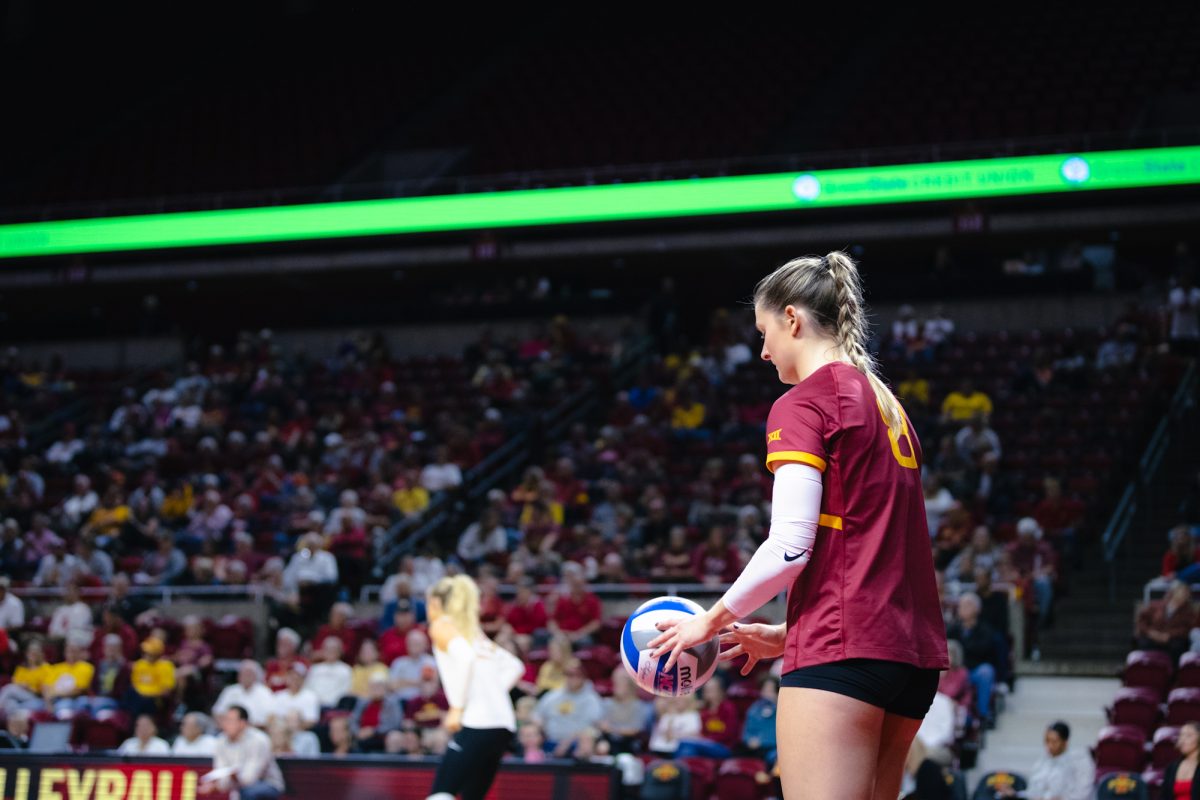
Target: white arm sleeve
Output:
[(795, 513), (456, 671)]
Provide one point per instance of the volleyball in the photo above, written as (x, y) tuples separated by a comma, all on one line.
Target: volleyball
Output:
[(695, 665)]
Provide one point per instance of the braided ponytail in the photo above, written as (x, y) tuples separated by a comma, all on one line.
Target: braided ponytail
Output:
[(851, 334), (829, 289)]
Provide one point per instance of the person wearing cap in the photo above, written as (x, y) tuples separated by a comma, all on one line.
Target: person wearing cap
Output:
[(296, 697), (249, 692), (151, 679), (12, 610), (1035, 561)]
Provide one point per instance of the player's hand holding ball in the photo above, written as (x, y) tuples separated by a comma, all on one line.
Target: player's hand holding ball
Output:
[(755, 641)]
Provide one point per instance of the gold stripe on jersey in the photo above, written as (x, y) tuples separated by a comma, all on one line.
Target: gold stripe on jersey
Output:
[(796, 456), (829, 521)]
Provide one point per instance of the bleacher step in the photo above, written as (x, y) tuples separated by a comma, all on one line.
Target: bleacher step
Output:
[(1098, 668)]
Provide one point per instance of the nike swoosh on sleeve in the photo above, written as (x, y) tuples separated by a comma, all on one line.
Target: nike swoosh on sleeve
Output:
[(790, 558)]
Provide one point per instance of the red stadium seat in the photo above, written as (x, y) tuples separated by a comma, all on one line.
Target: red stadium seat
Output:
[(232, 637), (1149, 668), (703, 772), (1120, 747), (739, 777), (1163, 751), (1189, 671), (1183, 705), (1138, 706)]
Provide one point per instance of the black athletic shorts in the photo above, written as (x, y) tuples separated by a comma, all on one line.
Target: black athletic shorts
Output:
[(897, 688), (471, 761)]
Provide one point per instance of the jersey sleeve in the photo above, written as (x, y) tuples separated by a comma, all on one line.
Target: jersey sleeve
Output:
[(798, 430)]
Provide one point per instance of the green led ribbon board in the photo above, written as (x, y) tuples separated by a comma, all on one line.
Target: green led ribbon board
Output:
[(909, 183)]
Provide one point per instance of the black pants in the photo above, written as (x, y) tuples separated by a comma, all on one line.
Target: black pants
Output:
[(471, 761), (895, 687)]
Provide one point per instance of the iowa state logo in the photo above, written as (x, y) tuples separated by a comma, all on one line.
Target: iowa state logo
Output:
[(1121, 784), (775, 435)]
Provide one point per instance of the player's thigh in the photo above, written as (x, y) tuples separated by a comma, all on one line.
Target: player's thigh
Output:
[(895, 740), (828, 744)]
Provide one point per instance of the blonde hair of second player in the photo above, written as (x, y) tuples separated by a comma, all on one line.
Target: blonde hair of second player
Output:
[(459, 598), (830, 292)]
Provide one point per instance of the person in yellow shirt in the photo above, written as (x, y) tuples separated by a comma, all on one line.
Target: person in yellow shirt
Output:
[(914, 390), (552, 674), (109, 517), (178, 502), (410, 497), (152, 680), (69, 682), (964, 403), (28, 682), (688, 413)]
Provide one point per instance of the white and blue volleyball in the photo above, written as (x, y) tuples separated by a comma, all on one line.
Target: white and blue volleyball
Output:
[(695, 665)]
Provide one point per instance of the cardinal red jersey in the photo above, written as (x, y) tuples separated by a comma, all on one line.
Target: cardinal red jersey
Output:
[(869, 590)]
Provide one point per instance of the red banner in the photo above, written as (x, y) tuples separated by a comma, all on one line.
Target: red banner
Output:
[(29, 777)]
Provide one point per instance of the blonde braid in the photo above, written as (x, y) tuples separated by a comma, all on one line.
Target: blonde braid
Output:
[(851, 334)]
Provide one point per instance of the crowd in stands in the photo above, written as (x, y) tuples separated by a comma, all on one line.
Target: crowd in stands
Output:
[(252, 468)]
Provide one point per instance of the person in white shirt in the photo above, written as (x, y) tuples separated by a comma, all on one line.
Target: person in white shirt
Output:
[(442, 474), (145, 740), (483, 537), (295, 697), (1060, 774), (249, 692), (311, 563), (477, 676), (81, 503), (330, 678), (193, 739), (677, 719), (58, 567), (73, 616), (12, 610), (347, 508), (246, 751), (938, 327)]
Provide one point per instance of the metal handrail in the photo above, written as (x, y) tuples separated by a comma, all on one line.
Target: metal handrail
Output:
[(1125, 513)]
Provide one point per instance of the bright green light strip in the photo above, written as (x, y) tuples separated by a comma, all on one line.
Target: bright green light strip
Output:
[(1116, 169)]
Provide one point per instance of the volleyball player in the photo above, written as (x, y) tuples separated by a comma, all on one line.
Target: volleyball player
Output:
[(477, 675), (864, 639)]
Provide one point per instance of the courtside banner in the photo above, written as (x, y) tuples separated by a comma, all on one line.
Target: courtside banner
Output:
[(43, 777)]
